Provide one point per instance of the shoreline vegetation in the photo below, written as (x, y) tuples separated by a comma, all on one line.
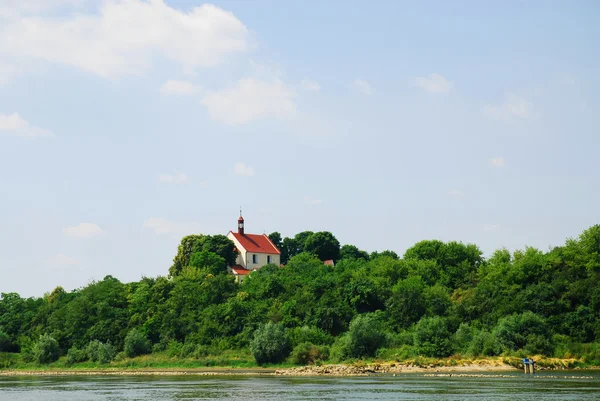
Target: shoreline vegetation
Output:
[(440, 306), (149, 366)]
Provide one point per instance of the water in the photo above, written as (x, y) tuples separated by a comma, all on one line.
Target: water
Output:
[(543, 386)]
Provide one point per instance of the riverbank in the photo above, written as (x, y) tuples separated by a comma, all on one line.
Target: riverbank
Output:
[(355, 369)]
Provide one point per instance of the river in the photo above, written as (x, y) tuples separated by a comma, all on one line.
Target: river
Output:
[(573, 385)]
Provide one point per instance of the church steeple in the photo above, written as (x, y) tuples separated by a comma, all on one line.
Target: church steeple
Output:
[(241, 223)]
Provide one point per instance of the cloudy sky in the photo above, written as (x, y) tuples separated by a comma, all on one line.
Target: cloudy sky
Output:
[(126, 124)]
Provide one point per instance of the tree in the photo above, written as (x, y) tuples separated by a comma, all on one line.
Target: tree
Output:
[(407, 303), (209, 261), (352, 252), (136, 344), (365, 336), (219, 244), (387, 253), (270, 344), (46, 349), (324, 245), (276, 239), (432, 337)]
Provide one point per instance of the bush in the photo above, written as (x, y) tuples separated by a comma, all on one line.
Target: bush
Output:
[(174, 348), (100, 352), (340, 348), (5, 344), (306, 334), (308, 354), (270, 344), (514, 331), (365, 336), (187, 350), (76, 355), (432, 337), (46, 349), (136, 344), (484, 343)]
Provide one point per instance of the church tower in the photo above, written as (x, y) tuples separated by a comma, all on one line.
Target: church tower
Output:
[(241, 224)]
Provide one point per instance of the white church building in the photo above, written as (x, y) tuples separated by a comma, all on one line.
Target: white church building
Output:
[(254, 251)]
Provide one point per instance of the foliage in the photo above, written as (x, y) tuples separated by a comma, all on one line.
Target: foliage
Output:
[(440, 297), (324, 245), (307, 353), (76, 355), (100, 352), (364, 337), (5, 344), (432, 337), (270, 344), (136, 344), (46, 349)]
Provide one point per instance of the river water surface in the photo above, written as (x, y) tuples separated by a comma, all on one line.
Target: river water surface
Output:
[(578, 385)]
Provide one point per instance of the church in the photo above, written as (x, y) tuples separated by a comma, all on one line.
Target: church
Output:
[(254, 251)]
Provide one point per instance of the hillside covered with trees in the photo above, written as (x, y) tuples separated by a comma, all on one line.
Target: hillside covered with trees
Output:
[(437, 300)]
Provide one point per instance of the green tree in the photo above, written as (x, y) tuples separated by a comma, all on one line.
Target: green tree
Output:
[(46, 349), (219, 244), (407, 303), (432, 337), (352, 252), (324, 245), (276, 239), (270, 344), (365, 336), (136, 344), (209, 261)]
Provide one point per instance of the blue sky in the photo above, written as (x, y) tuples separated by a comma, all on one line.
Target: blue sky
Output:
[(125, 125)]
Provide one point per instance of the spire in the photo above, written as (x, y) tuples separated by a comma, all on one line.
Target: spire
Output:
[(241, 223)]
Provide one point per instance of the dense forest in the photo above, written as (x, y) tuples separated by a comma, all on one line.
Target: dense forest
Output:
[(439, 299)]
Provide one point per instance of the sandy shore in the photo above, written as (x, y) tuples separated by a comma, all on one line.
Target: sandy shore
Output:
[(325, 370)]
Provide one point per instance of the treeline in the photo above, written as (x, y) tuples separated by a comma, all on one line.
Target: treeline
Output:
[(438, 299)]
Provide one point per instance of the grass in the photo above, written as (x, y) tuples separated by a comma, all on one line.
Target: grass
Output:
[(242, 359)]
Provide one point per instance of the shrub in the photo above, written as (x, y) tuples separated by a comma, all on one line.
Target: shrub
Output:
[(136, 344), (5, 344), (270, 344), (432, 337), (100, 352), (76, 355), (174, 348), (308, 353), (340, 348), (46, 349), (307, 334), (484, 343), (187, 350), (365, 336), (512, 332)]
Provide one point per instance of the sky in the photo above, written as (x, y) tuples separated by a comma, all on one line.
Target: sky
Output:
[(127, 124)]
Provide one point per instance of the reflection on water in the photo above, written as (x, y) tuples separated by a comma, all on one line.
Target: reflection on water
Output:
[(402, 387)]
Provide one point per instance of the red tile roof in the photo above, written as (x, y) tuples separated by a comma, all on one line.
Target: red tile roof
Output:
[(256, 243), (237, 269)]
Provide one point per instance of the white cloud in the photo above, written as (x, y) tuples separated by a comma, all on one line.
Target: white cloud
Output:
[(310, 86), (497, 162), (179, 178), (14, 124), (491, 227), (122, 36), (434, 83), (250, 99), (180, 88), (83, 230), (161, 226), (363, 87), (242, 169), (457, 193), (312, 201), (513, 107)]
